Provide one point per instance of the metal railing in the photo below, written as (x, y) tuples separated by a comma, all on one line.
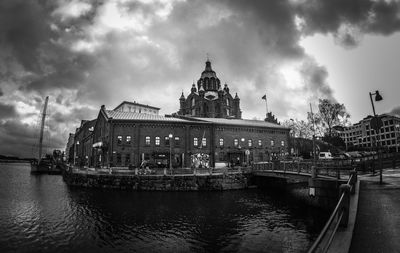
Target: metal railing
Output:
[(329, 169), (338, 218)]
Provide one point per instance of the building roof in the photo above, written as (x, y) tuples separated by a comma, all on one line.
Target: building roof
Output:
[(137, 104), (140, 116), (242, 122)]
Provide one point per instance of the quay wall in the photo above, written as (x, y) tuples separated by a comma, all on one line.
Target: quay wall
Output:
[(202, 182)]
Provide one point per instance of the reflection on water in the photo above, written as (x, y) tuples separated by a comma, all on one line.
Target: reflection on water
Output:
[(40, 213)]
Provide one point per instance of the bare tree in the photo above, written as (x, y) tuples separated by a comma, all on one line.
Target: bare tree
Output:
[(330, 115)]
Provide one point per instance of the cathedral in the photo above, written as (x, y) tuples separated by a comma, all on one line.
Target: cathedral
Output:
[(210, 99)]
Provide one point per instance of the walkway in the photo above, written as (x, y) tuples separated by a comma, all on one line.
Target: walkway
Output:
[(377, 227)]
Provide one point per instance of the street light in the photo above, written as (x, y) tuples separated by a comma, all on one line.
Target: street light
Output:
[(397, 141), (293, 138), (378, 97), (377, 125), (170, 152)]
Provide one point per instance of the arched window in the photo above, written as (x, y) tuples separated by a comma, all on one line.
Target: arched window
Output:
[(193, 101)]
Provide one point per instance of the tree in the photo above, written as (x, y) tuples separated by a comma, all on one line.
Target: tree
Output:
[(330, 115), (300, 128)]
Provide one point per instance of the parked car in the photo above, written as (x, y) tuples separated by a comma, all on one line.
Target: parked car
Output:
[(325, 155)]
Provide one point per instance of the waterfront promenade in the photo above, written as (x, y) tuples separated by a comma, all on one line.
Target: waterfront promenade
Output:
[(377, 227)]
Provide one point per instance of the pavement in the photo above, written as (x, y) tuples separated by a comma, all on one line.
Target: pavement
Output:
[(377, 226)]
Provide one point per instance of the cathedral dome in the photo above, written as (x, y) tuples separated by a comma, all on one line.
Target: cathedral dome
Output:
[(209, 79)]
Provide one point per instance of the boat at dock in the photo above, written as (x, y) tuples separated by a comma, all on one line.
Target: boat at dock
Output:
[(50, 163)]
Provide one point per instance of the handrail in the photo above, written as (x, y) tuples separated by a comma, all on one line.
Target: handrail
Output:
[(337, 212)]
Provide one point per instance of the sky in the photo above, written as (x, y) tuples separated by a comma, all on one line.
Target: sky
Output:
[(84, 54)]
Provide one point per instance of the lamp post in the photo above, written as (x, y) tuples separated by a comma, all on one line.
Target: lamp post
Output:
[(75, 152), (397, 126), (377, 125), (293, 138), (170, 152)]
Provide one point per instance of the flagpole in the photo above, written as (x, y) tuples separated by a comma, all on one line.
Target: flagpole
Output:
[(266, 105)]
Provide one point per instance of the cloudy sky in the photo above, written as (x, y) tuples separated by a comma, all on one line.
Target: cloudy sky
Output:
[(83, 54)]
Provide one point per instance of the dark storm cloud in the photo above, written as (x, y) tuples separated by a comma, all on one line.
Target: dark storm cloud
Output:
[(315, 78), (7, 111), (23, 28), (381, 17)]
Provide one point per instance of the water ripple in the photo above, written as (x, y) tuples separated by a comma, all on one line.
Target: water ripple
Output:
[(40, 213)]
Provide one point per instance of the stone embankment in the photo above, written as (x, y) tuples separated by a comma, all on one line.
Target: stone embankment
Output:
[(202, 182)]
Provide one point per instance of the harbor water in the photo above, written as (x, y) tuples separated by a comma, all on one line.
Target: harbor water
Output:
[(40, 213)]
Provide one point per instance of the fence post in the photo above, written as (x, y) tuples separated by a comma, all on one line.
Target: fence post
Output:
[(353, 175), (313, 172), (345, 190)]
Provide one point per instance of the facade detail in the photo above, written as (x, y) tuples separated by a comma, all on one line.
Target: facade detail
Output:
[(136, 107), (210, 99)]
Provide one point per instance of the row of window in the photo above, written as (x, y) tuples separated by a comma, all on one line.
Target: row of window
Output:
[(157, 141)]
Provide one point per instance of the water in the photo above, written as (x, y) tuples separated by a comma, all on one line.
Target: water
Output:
[(41, 213)]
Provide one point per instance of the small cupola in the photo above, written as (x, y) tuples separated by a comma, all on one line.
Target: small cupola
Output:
[(193, 90), (226, 89), (182, 97)]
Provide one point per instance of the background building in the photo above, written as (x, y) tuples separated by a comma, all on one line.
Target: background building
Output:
[(362, 136)]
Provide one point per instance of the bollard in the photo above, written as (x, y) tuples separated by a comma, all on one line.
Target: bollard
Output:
[(353, 175), (345, 188)]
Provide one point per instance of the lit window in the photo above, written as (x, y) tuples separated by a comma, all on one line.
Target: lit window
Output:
[(272, 143), (259, 143), (119, 139), (147, 141), (282, 143), (166, 140), (177, 141), (204, 142), (235, 142), (221, 142), (157, 142), (195, 142), (250, 142), (128, 139)]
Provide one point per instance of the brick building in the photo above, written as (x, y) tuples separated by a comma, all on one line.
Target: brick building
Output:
[(128, 138), (83, 142)]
